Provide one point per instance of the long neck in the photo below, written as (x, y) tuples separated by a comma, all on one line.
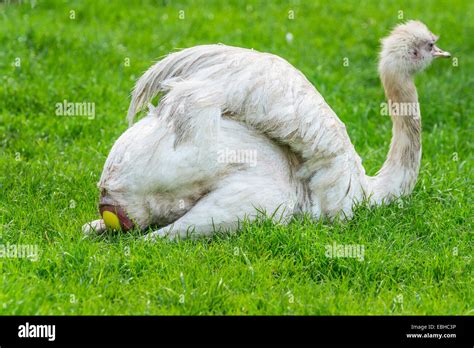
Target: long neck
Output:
[(399, 172)]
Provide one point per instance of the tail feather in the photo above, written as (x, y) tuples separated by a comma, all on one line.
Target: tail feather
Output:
[(181, 65), (193, 108)]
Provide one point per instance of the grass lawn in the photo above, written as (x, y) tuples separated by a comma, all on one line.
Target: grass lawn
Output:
[(417, 252)]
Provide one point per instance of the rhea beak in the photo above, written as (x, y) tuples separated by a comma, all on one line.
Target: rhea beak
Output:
[(438, 52)]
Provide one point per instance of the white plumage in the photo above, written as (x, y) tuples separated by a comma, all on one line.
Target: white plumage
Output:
[(181, 166)]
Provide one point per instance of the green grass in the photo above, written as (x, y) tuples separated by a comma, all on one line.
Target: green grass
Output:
[(418, 249)]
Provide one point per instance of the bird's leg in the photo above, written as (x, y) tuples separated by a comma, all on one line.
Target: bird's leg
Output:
[(186, 227), (96, 226), (242, 196)]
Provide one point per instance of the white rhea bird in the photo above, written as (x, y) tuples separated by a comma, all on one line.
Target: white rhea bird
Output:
[(238, 131)]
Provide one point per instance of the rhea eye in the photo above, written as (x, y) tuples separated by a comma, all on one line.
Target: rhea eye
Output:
[(430, 45)]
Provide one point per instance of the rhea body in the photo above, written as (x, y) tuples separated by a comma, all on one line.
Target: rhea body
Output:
[(168, 169)]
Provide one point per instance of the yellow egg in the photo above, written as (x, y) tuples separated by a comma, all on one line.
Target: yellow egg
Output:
[(111, 220)]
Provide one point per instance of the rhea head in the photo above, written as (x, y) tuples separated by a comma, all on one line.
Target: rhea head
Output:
[(410, 48)]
